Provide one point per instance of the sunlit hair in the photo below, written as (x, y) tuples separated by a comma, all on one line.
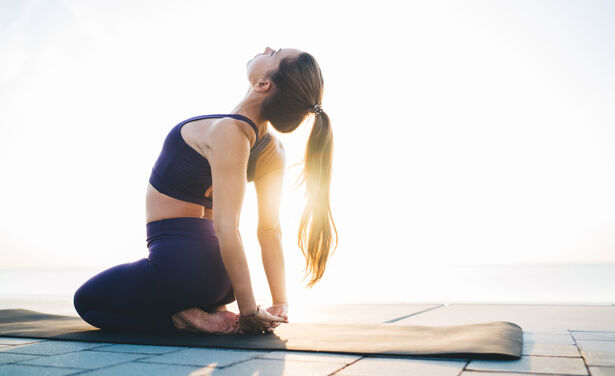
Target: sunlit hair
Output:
[(298, 86)]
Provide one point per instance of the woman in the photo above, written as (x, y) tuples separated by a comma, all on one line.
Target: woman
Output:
[(196, 263)]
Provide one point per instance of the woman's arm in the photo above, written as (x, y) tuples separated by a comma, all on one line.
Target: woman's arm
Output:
[(228, 156), (269, 176), (269, 232)]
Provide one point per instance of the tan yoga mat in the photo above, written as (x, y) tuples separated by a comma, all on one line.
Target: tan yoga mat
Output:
[(490, 340)]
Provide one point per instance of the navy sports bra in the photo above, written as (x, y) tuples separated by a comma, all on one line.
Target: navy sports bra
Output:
[(182, 173)]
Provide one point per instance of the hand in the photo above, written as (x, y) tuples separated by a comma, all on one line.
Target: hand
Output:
[(258, 322), (281, 310)]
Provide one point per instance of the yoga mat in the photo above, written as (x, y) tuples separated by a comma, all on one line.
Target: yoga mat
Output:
[(491, 340)]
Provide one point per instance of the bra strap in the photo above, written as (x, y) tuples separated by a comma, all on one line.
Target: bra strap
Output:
[(237, 117)]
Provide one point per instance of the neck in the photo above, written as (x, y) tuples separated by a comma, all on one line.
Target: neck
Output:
[(250, 108)]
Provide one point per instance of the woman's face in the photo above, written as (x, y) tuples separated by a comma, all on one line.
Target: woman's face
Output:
[(268, 60)]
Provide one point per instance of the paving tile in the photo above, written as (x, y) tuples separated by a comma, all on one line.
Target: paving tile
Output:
[(547, 349), (309, 356), (142, 369), (23, 370), (602, 371), (533, 318), (205, 357), (17, 341), (597, 336), (52, 347), (373, 365), (271, 367), (550, 339), (12, 358), (84, 359), (535, 364), (598, 353), (138, 349)]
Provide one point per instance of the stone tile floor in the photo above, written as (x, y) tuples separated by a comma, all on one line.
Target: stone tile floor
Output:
[(548, 349)]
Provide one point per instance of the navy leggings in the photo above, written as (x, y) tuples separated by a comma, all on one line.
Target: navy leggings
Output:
[(184, 269)]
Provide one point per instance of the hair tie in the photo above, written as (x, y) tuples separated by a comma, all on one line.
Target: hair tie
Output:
[(317, 109)]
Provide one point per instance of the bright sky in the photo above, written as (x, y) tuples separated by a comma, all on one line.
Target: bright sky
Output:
[(475, 132)]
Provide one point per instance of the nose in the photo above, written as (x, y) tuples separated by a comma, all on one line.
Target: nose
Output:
[(268, 50)]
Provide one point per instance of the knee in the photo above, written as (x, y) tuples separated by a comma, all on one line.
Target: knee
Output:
[(80, 301)]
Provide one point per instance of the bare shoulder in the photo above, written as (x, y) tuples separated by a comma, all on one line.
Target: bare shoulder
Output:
[(229, 130)]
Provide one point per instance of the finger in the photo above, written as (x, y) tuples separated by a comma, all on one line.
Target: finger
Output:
[(275, 318), (277, 312), (261, 320)]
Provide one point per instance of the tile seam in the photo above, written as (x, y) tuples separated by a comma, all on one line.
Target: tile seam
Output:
[(62, 353), (82, 369), (580, 353), (463, 369), (412, 314), (346, 366)]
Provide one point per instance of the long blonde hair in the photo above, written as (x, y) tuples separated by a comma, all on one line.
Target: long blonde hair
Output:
[(298, 87)]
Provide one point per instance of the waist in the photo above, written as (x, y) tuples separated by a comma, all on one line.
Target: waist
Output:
[(176, 225), (159, 206), (181, 231)]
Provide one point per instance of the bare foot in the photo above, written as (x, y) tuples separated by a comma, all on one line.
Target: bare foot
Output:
[(198, 321)]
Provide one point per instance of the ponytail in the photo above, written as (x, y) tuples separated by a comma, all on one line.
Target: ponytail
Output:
[(317, 226), (298, 84)]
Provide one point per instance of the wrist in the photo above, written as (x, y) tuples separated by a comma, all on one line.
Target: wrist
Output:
[(246, 305), (250, 312)]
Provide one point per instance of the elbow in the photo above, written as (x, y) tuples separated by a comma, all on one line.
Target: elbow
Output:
[(263, 232)]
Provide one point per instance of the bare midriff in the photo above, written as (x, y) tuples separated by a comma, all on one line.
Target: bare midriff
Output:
[(160, 206)]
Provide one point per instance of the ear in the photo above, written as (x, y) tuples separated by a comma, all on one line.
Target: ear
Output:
[(262, 85)]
